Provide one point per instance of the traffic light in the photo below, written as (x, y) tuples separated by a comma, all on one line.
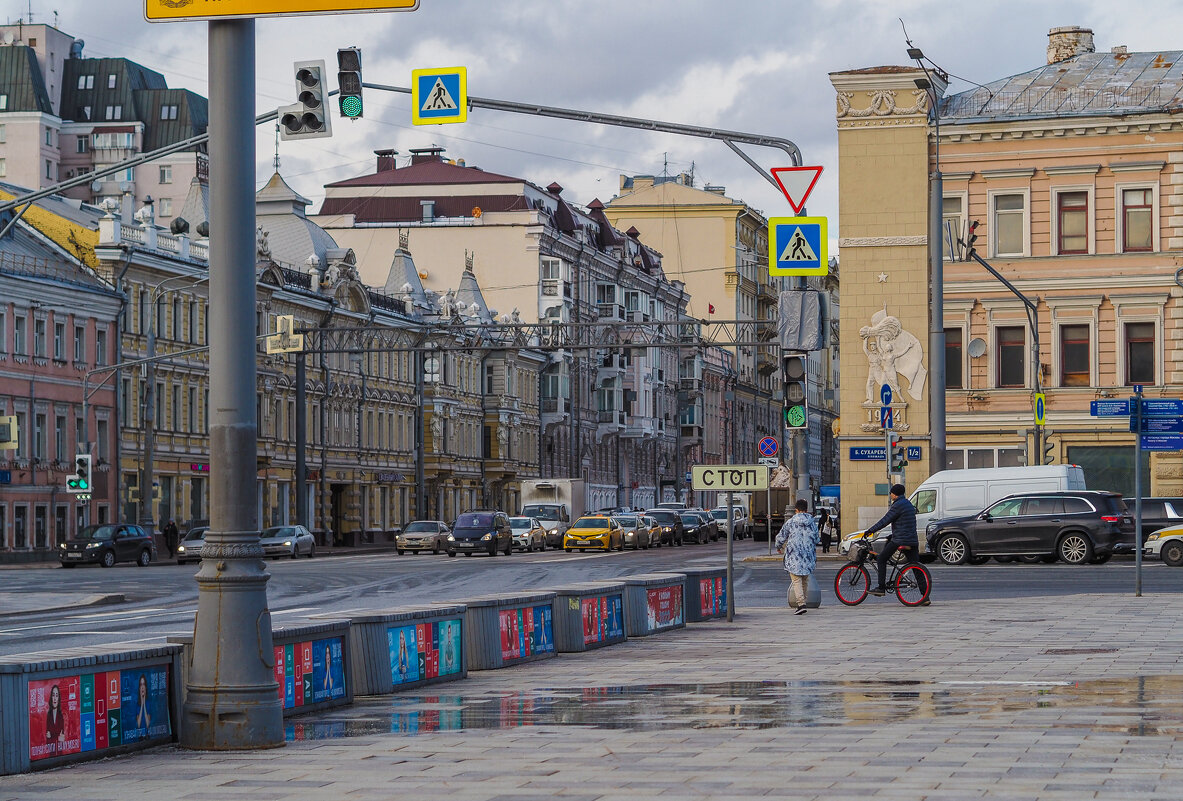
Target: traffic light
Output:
[(897, 453), (796, 409), (79, 480), (349, 82), (970, 239), (308, 118), (1049, 452)]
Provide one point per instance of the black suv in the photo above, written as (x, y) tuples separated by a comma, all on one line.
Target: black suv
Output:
[(107, 544), (481, 531), (672, 530), (1076, 527), (1158, 513)]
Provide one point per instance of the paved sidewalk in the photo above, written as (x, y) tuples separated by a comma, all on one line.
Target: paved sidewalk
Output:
[(1068, 698)]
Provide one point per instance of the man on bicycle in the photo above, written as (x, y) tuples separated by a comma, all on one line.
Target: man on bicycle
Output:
[(902, 518)]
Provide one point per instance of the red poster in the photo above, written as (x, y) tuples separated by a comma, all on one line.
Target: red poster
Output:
[(100, 711), (664, 606), (279, 669), (504, 620), (54, 717)]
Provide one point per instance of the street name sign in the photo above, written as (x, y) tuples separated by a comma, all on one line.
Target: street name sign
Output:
[(189, 10), (729, 477), (878, 453), (1109, 408), (1159, 425), (798, 246), (1162, 442), (796, 183), (439, 95), (1162, 407)]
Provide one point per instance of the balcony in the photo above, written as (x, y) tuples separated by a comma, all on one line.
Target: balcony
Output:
[(554, 410), (610, 311), (611, 366), (555, 288), (691, 386), (637, 316), (690, 432), (609, 421), (640, 428), (765, 362)]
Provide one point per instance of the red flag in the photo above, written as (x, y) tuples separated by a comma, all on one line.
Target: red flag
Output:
[(710, 308)]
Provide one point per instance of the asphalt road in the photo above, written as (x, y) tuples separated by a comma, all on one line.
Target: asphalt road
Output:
[(161, 599)]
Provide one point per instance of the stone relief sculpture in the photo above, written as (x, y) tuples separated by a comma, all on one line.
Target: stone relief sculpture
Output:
[(892, 352)]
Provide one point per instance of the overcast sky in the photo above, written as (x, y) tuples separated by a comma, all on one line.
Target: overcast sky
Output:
[(758, 67)]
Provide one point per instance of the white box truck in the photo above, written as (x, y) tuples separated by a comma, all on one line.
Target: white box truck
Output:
[(555, 503)]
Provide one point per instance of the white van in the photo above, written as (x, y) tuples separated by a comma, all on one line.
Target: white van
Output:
[(952, 493)]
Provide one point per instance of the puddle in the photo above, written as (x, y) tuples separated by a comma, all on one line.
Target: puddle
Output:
[(1140, 706)]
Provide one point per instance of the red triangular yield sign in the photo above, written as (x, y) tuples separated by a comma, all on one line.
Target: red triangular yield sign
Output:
[(796, 183)]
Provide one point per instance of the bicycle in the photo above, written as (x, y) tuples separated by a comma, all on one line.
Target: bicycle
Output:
[(853, 581)]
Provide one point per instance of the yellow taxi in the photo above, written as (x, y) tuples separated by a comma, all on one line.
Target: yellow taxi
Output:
[(599, 532)]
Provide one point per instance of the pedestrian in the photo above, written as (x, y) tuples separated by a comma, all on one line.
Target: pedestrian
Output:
[(798, 540), (825, 526), (170, 537)]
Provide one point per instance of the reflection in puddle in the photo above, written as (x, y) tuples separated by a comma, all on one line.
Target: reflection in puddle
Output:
[(1141, 706)]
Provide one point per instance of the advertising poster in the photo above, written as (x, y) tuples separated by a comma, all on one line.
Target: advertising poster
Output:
[(145, 704), (526, 631), (592, 630), (713, 593), (511, 624), (603, 619), (541, 629), (403, 645), (54, 717), (664, 607), (328, 670), (450, 645)]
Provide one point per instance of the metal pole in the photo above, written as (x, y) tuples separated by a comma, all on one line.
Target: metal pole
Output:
[(768, 516), (936, 335), (730, 556), (302, 440), (84, 446), (1137, 412), (232, 701), (420, 491)]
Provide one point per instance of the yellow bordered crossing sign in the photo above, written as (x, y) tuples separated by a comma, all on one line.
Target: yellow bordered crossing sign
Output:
[(797, 246), (186, 10), (439, 95), (1040, 408)]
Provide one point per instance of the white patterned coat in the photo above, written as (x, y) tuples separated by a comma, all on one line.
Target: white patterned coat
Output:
[(799, 537)]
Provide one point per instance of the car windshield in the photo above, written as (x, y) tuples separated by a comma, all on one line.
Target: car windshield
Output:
[(520, 522), (663, 517), (97, 533), (279, 531), (420, 527), (196, 534), (591, 522), (690, 520), (547, 511), (719, 514), (474, 521), (626, 522)]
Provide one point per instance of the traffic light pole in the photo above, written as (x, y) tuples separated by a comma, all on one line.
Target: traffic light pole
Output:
[(232, 700)]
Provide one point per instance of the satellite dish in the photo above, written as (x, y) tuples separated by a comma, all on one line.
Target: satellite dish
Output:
[(9, 38), (977, 347)]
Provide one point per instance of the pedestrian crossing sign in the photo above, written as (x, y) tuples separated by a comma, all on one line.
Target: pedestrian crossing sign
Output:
[(797, 246), (439, 95)]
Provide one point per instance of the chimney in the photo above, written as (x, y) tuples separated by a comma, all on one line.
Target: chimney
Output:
[(426, 154), (386, 160), (1068, 42)]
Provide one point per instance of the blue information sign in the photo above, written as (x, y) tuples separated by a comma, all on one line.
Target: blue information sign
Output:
[(5, 476), (1162, 442), (1159, 425), (885, 418), (1162, 407), (878, 453), (1109, 408)]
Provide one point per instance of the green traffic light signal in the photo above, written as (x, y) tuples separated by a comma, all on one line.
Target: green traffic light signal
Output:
[(351, 106)]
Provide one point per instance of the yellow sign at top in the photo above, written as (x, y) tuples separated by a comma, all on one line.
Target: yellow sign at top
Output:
[(182, 10)]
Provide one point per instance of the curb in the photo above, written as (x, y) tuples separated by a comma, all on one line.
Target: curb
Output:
[(90, 600)]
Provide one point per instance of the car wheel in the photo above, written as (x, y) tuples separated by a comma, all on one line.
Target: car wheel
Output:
[(295, 551), (451, 553), (1172, 554), (568, 550), (1005, 560), (1075, 549), (953, 549), (107, 559), (1030, 559), (1100, 558), (979, 560), (508, 550), (311, 550), (144, 559), (399, 551)]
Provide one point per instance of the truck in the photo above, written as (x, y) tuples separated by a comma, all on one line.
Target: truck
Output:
[(555, 503)]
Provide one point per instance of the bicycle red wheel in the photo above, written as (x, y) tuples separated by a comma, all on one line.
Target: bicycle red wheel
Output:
[(851, 584), (912, 585)]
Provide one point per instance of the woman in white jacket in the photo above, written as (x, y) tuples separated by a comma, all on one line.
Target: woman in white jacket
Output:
[(798, 540)]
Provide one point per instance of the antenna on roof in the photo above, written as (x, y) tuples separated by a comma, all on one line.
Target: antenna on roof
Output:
[(276, 147)]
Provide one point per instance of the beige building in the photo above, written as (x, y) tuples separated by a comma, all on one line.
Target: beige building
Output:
[(1070, 171)]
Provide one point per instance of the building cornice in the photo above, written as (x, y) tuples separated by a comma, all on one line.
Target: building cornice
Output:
[(953, 132)]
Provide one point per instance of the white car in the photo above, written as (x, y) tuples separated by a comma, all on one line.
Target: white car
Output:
[(189, 549), (1167, 545), (290, 541), (739, 518), (528, 534)]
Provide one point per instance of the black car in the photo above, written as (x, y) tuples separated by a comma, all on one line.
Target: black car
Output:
[(107, 544), (672, 530), (693, 529), (1075, 527), (482, 531)]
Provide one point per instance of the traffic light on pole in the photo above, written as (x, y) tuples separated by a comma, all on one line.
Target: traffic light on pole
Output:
[(308, 118), (349, 82), (796, 409), (897, 452), (79, 480), (1049, 455)]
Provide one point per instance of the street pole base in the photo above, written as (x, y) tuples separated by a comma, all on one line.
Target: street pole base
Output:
[(232, 719)]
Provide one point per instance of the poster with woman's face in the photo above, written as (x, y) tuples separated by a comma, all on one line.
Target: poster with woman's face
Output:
[(328, 670), (54, 726), (450, 645), (144, 703), (403, 648)]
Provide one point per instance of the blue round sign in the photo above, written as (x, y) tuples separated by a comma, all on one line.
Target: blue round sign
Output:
[(885, 394), (769, 446)]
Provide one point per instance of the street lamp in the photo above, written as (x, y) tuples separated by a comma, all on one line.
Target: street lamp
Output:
[(148, 468)]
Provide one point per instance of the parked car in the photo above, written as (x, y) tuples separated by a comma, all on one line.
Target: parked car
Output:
[(189, 549), (107, 544), (739, 520), (713, 529), (594, 531), (672, 530), (1166, 544), (290, 541), (635, 530), (1158, 513), (1076, 527), (528, 534), (481, 531), (421, 536), (654, 530)]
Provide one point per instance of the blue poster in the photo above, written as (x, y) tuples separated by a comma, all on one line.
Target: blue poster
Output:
[(404, 654), (328, 670), (615, 618), (144, 703), (450, 645), (543, 638)]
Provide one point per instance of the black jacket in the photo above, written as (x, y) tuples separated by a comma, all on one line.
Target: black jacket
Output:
[(902, 518)]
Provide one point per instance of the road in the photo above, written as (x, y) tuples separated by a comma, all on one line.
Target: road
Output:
[(162, 599)]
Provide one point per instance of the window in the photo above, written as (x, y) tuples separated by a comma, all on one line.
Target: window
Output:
[(166, 206), (1074, 356), (59, 341), (49, 136), (166, 174), (168, 112), (100, 348), (1137, 230), (48, 169), (953, 361), (86, 82), (39, 338), (110, 114), (1072, 218), (111, 81), (1139, 353), (3, 102), (175, 420), (114, 112), (1011, 507), (1009, 222), (1011, 343), (3, 134), (79, 343), (925, 501), (39, 436), (952, 215), (192, 427), (82, 144), (59, 438), (3, 333)]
